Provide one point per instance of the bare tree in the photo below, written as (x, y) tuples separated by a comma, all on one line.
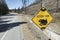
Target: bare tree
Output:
[(25, 3)]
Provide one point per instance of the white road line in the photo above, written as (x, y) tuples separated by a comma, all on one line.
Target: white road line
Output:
[(8, 22), (4, 35)]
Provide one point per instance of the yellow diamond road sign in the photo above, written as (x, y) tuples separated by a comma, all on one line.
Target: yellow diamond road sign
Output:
[(42, 18)]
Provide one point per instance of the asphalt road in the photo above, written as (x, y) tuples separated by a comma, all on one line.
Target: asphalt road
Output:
[(11, 27)]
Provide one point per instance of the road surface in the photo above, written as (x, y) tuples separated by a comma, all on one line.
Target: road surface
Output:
[(15, 26), (11, 27)]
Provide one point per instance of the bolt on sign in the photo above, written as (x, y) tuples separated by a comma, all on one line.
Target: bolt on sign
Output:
[(42, 18)]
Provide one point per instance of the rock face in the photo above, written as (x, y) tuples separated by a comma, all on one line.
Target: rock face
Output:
[(51, 5), (3, 7)]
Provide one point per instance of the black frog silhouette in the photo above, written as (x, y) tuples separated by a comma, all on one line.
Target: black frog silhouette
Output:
[(43, 22)]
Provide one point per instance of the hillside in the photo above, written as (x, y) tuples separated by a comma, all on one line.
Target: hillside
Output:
[(50, 5)]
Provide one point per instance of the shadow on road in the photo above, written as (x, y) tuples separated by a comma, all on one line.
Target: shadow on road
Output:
[(5, 27)]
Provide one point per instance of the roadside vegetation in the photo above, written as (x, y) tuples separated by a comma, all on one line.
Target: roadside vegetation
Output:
[(3, 9)]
